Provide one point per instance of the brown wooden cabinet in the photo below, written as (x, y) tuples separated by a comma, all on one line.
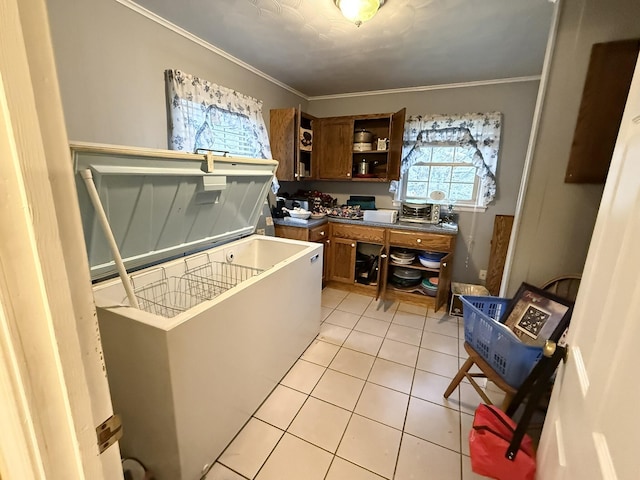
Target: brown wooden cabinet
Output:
[(345, 239), (332, 156), (606, 87), (334, 143), (319, 234), (289, 132)]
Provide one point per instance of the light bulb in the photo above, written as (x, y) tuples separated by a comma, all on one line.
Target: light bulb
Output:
[(358, 11)]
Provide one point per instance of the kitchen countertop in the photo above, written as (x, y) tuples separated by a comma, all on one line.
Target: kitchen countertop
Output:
[(416, 227)]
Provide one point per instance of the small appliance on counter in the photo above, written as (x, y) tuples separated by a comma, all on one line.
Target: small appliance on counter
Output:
[(420, 212), (380, 216), (365, 202)]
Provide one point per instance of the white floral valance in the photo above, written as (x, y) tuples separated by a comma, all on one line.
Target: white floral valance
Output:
[(478, 131), (209, 116)]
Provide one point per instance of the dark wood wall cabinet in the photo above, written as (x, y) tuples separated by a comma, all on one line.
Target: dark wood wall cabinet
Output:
[(291, 139), (332, 156), (604, 96)]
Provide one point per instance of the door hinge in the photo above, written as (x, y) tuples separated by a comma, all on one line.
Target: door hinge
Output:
[(109, 432)]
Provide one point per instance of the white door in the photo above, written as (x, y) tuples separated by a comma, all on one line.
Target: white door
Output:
[(53, 388), (593, 423)]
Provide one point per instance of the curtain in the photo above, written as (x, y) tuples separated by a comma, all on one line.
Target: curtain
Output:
[(478, 131), (206, 115)]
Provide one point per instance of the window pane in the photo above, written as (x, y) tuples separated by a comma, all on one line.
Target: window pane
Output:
[(461, 191), (419, 172), (464, 154), (463, 174), (440, 174), (424, 154), (416, 189), (442, 154)]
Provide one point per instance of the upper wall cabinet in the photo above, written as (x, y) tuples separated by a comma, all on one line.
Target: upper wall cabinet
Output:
[(336, 154), (603, 99), (291, 137)]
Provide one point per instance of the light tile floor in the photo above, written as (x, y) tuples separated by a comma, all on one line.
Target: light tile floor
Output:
[(364, 401)]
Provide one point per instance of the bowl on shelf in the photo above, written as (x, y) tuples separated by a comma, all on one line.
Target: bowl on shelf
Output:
[(431, 259), (429, 263), (299, 213)]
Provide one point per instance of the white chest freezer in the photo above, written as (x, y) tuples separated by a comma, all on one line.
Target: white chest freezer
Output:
[(223, 313)]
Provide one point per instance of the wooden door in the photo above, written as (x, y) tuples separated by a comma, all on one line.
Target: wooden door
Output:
[(283, 129), (444, 281), (333, 144), (395, 145), (383, 268), (343, 260), (502, 226), (591, 428)]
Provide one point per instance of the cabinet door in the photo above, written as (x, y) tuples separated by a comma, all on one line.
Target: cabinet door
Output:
[(383, 268), (283, 128), (343, 260), (444, 281), (326, 267), (333, 142), (395, 145)]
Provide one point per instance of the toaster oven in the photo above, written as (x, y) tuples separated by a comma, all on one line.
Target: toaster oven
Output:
[(420, 212)]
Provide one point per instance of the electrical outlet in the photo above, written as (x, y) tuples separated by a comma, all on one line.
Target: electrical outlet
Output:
[(482, 275)]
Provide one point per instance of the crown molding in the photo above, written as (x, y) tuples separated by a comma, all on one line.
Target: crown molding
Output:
[(444, 86), (197, 40), (218, 51)]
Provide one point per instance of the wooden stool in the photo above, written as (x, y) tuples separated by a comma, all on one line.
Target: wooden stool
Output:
[(487, 372)]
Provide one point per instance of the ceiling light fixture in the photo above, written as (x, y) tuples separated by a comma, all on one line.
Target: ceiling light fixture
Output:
[(358, 11)]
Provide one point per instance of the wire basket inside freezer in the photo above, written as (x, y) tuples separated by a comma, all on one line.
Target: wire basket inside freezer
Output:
[(170, 295)]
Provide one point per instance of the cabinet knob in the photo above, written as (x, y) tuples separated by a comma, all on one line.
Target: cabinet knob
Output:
[(353, 245), (384, 255), (419, 240), (444, 264), (348, 174), (322, 233)]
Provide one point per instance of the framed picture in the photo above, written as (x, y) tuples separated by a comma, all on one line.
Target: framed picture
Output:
[(535, 315)]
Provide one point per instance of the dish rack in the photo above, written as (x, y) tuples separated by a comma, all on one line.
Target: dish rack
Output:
[(170, 295), (494, 341)]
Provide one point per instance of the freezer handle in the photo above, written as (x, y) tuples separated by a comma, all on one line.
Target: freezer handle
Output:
[(315, 258)]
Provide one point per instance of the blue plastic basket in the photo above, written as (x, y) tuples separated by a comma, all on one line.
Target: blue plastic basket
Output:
[(500, 348)]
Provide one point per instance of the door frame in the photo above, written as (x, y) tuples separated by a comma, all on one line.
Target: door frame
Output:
[(53, 387)]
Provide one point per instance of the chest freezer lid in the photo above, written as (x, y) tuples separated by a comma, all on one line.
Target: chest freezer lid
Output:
[(162, 203)]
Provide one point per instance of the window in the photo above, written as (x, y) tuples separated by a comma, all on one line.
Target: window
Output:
[(209, 116), (443, 173), (450, 159)]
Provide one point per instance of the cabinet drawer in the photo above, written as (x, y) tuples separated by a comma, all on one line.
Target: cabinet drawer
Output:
[(357, 232), (422, 241), (321, 232)]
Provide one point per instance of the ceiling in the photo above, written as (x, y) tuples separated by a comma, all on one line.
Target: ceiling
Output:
[(309, 46)]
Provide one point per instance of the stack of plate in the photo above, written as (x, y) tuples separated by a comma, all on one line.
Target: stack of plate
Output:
[(405, 277), (431, 259), (402, 257), (430, 286)]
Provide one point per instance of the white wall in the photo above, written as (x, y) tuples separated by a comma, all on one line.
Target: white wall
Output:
[(558, 218), (515, 100), (111, 64)]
